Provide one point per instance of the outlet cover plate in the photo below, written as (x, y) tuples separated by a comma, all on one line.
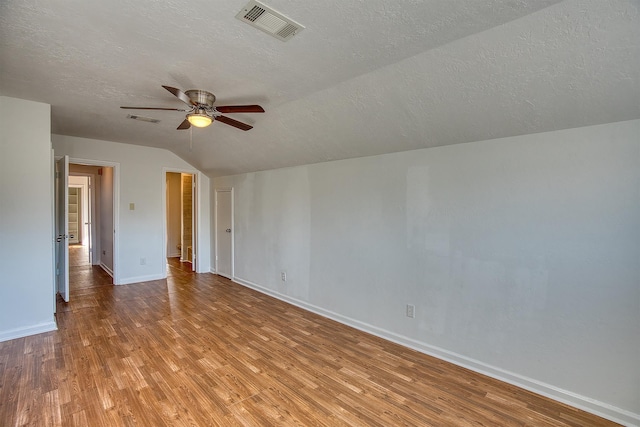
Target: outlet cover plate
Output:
[(411, 310)]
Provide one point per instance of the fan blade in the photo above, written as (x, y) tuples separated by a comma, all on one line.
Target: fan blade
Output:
[(180, 95), (184, 125), (240, 109), (152, 108), (233, 123)]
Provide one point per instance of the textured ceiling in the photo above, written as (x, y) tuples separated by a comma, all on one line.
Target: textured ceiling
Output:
[(363, 78)]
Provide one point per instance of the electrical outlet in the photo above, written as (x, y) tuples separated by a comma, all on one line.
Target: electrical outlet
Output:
[(411, 310), (283, 276), (143, 261)]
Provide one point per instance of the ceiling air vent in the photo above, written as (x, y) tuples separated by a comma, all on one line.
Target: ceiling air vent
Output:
[(142, 118), (268, 20)]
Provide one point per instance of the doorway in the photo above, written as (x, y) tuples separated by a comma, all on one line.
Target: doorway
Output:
[(86, 222), (94, 245), (100, 212), (180, 217)]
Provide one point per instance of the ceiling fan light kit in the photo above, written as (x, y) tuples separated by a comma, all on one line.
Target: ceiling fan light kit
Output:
[(202, 112), (199, 120)]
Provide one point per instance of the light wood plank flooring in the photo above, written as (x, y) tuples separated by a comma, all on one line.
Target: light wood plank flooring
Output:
[(199, 350)]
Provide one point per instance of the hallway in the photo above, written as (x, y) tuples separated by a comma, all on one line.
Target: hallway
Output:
[(82, 274)]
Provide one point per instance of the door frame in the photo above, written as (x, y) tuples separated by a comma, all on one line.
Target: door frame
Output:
[(195, 217), (116, 209), (217, 231)]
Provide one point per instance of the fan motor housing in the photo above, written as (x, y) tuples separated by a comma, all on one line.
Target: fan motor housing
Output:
[(201, 97)]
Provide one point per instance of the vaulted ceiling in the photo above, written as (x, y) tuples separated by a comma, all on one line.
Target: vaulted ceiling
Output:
[(363, 77)]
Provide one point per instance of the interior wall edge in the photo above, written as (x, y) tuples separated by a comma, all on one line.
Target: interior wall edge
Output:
[(587, 404), (106, 269), (141, 279), (26, 331)]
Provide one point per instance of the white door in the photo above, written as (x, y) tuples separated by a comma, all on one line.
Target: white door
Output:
[(194, 232), (62, 227), (224, 234)]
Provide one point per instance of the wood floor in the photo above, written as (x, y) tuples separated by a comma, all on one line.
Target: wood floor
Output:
[(199, 350)]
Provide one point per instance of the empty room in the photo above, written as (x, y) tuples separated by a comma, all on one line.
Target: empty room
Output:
[(343, 213)]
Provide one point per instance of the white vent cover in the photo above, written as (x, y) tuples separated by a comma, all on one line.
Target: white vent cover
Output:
[(142, 118), (268, 20)]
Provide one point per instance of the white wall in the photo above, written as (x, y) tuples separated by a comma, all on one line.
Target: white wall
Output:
[(142, 182), (521, 255), (26, 222)]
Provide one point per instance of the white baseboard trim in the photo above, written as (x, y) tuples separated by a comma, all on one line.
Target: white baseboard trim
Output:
[(28, 330), (107, 269), (138, 279), (593, 406)]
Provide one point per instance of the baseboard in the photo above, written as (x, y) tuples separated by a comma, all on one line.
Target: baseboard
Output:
[(587, 404), (138, 279), (29, 330), (107, 269)]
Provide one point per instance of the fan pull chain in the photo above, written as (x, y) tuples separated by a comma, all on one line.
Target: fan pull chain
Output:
[(191, 139)]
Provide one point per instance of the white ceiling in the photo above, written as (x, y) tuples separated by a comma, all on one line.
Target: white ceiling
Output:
[(363, 78)]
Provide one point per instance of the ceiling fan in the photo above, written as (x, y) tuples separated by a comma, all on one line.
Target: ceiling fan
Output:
[(201, 112)]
